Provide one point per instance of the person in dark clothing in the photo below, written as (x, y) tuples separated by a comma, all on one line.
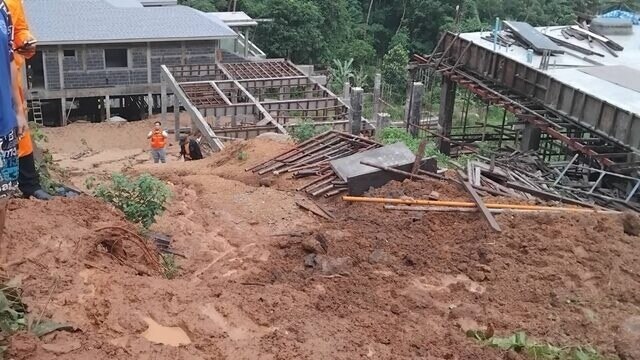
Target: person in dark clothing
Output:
[(190, 149), (28, 179)]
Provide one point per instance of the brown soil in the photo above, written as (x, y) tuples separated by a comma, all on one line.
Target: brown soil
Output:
[(391, 285)]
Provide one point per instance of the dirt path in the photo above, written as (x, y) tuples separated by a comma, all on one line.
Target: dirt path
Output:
[(370, 284)]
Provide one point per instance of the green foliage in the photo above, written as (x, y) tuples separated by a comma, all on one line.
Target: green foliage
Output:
[(242, 155), (295, 32), (141, 199), (305, 130), (13, 314), (46, 167), (394, 70), (521, 343), (36, 133), (340, 72), (391, 135), (169, 266)]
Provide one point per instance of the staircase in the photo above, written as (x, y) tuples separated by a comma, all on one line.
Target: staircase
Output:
[(35, 106)]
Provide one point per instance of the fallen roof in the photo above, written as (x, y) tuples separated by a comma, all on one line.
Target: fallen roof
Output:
[(60, 22)]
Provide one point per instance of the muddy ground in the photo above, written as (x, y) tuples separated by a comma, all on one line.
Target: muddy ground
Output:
[(262, 279)]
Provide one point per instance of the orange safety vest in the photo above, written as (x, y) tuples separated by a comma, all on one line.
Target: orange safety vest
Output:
[(157, 140), (21, 34)]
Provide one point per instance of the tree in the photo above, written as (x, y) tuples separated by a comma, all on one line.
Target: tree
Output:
[(394, 69), (294, 32), (205, 5)]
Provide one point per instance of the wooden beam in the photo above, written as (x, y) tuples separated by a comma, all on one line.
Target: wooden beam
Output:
[(478, 200)]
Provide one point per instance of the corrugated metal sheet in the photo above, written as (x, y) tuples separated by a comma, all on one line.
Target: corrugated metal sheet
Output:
[(101, 21)]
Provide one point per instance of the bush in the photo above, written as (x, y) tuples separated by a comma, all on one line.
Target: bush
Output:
[(140, 199), (306, 130)]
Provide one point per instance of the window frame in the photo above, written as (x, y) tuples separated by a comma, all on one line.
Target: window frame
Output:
[(126, 52)]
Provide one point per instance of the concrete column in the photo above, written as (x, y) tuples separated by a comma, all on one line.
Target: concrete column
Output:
[(377, 87), (107, 106), (150, 103), (530, 138), (176, 116), (163, 97), (415, 113), (346, 88), (407, 104), (445, 117), (63, 108), (356, 110), (384, 120)]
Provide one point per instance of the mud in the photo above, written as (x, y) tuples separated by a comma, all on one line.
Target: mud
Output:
[(411, 285)]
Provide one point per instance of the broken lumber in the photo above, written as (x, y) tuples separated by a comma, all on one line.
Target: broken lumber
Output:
[(316, 212), (494, 211), (478, 200), (456, 203)]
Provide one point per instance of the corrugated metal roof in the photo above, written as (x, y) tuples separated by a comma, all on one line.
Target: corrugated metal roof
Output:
[(104, 21)]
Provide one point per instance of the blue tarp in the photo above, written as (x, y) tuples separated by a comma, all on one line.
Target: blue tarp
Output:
[(620, 14)]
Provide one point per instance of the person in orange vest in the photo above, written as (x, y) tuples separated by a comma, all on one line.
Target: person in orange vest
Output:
[(25, 48), (12, 119), (158, 143)]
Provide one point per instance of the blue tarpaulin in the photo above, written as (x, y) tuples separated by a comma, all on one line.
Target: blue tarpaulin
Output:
[(620, 14)]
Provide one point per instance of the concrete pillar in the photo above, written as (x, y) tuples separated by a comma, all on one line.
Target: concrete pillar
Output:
[(415, 113), (407, 104), (377, 87), (356, 110), (107, 106), (163, 97), (63, 108), (384, 120), (150, 103), (346, 88), (445, 117), (530, 138), (176, 116)]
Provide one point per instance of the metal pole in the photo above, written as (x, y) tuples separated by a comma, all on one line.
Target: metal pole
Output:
[(163, 97), (495, 34)]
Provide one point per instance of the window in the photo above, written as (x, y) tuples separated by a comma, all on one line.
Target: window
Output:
[(69, 53), (116, 58)]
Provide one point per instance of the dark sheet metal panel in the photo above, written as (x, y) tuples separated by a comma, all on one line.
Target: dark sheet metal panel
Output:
[(618, 74), (534, 38)]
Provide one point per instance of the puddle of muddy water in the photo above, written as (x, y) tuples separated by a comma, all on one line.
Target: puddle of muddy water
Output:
[(172, 336)]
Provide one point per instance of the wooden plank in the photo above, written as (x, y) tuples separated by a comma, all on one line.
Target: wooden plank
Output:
[(419, 155), (476, 198)]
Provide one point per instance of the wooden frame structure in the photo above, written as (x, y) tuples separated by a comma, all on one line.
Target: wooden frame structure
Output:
[(249, 98)]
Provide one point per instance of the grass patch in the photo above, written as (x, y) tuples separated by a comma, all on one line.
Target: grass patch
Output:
[(47, 169), (392, 135), (14, 317), (141, 199), (242, 155), (305, 130), (521, 343), (170, 267)]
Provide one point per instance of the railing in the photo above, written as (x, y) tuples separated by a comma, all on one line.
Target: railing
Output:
[(236, 46)]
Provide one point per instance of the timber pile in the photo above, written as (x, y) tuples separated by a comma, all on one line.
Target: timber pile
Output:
[(312, 159), (527, 176)]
